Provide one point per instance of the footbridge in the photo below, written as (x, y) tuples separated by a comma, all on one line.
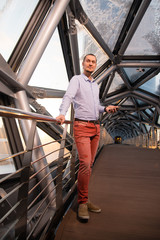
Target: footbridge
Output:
[(42, 46)]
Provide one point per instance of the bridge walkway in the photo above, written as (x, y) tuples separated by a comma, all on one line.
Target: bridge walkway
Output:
[(125, 183)]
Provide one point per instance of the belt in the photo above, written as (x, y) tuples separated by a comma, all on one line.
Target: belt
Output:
[(89, 121)]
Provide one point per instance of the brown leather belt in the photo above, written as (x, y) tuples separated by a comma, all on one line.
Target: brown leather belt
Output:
[(89, 121)]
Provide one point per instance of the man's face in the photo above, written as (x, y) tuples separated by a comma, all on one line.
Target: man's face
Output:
[(89, 64)]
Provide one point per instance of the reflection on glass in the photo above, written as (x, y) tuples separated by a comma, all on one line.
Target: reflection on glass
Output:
[(14, 16), (135, 73), (108, 17), (88, 45), (6, 166), (153, 85), (146, 38)]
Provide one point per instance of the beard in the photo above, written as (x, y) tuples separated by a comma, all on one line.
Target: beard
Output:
[(89, 71)]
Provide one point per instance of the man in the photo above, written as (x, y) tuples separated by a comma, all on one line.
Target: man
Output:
[(83, 91)]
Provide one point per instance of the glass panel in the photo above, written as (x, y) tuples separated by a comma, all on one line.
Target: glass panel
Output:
[(149, 112), (20, 133), (135, 73), (134, 114), (88, 45), (14, 16), (148, 127), (50, 148), (128, 102), (6, 166), (54, 111), (108, 17), (146, 38), (117, 83), (50, 71), (153, 85), (140, 102)]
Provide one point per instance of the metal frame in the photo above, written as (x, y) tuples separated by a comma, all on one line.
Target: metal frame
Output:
[(116, 62), (23, 217), (129, 122)]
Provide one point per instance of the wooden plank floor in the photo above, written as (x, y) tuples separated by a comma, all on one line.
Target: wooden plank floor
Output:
[(125, 183)]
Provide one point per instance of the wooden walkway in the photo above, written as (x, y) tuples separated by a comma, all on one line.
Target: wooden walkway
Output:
[(125, 183)]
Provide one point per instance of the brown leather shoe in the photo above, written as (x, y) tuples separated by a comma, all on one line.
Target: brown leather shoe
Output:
[(93, 208), (83, 211)]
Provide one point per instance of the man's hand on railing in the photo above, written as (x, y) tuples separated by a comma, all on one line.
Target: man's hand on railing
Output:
[(112, 109), (60, 119)]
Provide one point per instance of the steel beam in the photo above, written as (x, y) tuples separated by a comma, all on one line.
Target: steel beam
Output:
[(124, 77), (102, 44), (105, 74), (146, 77), (146, 97), (139, 64), (86, 22), (141, 11), (73, 42), (117, 97), (24, 76), (41, 41)]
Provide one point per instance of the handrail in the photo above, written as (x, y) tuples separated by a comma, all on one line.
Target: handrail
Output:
[(18, 113), (45, 198)]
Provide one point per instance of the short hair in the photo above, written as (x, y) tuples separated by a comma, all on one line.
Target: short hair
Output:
[(88, 55)]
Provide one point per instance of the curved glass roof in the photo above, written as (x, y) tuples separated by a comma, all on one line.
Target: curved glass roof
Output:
[(146, 40), (123, 34), (108, 17)]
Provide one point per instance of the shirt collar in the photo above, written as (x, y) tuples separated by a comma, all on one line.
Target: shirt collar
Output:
[(86, 78)]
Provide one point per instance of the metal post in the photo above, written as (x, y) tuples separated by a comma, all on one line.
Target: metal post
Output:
[(21, 226), (59, 184), (156, 140), (73, 164), (25, 73), (38, 153)]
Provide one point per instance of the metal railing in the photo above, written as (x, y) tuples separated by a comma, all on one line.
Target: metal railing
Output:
[(148, 140), (31, 197)]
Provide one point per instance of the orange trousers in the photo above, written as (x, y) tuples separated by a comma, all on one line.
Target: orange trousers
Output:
[(86, 136)]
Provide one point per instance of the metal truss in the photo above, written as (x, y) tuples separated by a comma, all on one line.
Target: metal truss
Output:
[(138, 107), (131, 118)]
